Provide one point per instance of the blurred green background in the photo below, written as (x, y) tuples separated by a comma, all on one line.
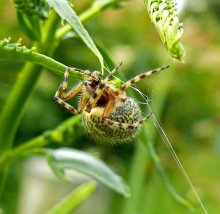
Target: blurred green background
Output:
[(190, 115)]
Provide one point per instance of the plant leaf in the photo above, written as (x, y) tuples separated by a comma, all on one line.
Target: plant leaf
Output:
[(74, 199), (67, 13), (66, 158)]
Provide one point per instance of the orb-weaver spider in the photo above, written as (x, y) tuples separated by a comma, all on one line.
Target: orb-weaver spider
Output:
[(108, 114)]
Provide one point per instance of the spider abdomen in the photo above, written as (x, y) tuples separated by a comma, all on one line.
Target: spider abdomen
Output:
[(118, 128)]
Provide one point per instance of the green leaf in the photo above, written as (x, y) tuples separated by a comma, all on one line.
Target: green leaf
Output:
[(66, 158), (74, 199), (96, 7), (65, 11)]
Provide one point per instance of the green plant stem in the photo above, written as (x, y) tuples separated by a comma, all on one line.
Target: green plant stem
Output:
[(68, 129), (137, 176), (3, 177), (15, 104), (36, 58), (14, 107)]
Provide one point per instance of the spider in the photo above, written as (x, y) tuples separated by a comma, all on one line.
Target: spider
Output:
[(108, 115)]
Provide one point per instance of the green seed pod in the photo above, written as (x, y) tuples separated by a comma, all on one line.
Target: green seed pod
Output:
[(164, 15), (32, 7)]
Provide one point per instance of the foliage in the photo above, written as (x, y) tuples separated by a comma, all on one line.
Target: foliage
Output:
[(34, 128)]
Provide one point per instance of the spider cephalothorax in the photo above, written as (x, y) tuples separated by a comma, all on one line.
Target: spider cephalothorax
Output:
[(107, 114)]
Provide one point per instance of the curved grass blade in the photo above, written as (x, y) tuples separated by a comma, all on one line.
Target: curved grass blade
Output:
[(66, 158), (145, 137), (71, 202), (67, 13)]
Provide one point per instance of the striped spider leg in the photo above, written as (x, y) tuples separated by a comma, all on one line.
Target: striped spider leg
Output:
[(63, 95), (121, 90), (108, 114), (92, 88)]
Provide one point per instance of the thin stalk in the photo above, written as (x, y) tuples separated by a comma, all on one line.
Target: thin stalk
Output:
[(160, 169), (136, 179), (3, 177), (73, 200)]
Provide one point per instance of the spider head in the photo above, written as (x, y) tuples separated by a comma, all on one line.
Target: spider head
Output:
[(94, 80)]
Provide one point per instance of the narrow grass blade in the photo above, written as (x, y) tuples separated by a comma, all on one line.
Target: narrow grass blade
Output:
[(68, 204), (145, 137)]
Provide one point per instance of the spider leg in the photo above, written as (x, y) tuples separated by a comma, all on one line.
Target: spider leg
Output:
[(115, 94), (84, 73), (126, 125), (108, 78), (108, 107), (112, 96), (138, 78), (102, 86), (95, 97), (98, 92), (83, 101), (65, 104), (62, 94)]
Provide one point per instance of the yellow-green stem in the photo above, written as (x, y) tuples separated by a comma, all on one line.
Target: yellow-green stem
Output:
[(136, 179), (14, 106)]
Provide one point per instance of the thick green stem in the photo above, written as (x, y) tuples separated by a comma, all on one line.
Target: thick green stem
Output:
[(13, 109)]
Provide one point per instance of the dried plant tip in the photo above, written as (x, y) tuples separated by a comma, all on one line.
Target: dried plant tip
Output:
[(163, 14)]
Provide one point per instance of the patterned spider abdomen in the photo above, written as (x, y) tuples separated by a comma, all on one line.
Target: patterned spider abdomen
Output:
[(119, 130)]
